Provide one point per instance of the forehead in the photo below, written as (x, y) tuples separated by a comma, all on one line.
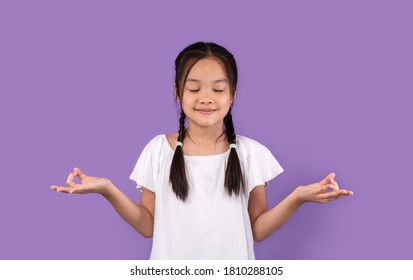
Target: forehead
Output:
[(207, 69)]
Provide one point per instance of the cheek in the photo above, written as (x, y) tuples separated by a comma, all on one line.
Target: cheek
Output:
[(187, 104), (225, 101)]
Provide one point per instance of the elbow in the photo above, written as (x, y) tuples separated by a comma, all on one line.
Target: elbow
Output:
[(144, 225), (258, 236), (258, 240), (145, 231), (149, 235)]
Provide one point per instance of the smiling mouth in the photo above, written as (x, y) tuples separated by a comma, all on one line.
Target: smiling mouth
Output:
[(205, 111)]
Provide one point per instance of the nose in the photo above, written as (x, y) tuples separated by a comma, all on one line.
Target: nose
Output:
[(206, 97), (205, 100)]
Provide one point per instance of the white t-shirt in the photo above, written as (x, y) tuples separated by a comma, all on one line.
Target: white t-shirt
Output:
[(210, 224)]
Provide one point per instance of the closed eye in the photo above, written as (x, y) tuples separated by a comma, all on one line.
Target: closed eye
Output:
[(215, 90)]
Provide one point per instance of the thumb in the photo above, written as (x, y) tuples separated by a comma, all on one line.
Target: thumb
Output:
[(327, 187), (327, 179)]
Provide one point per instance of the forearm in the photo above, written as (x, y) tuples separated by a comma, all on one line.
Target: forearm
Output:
[(134, 214), (272, 219)]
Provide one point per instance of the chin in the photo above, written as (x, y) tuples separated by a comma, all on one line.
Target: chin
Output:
[(205, 124)]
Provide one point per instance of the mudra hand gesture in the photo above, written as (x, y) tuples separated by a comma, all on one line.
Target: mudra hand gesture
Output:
[(322, 192), (88, 184)]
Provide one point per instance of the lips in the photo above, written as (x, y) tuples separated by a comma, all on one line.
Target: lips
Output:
[(205, 111)]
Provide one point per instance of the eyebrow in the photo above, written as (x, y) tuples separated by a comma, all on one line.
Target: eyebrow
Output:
[(198, 81)]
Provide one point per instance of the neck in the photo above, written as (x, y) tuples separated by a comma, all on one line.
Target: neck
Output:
[(205, 135)]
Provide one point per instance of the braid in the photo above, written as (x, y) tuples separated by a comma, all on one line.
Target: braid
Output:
[(181, 135), (233, 174), (178, 174), (229, 128)]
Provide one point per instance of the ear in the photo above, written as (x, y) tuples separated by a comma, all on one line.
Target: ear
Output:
[(235, 95), (176, 95)]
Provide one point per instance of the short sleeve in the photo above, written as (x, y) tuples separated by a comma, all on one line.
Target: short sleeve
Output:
[(145, 170), (259, 164)]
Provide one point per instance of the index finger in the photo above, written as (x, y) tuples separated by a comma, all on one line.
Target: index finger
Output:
[(70, 179), (326, 180), (79, 174), (334, 182)]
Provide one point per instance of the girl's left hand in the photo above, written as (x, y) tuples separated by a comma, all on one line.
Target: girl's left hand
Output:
[(322, 192)]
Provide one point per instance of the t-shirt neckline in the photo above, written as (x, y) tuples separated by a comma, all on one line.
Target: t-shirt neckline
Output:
[(190, 156)]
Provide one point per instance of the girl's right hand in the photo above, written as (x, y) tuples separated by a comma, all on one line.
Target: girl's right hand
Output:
[(88, 184)]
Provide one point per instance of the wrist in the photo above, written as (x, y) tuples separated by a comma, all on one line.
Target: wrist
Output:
[(297, 196), (108, 189)]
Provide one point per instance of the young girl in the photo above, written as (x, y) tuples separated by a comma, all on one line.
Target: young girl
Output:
[(203, 187)]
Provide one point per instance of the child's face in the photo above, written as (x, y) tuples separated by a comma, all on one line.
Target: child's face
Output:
[(206, 94)]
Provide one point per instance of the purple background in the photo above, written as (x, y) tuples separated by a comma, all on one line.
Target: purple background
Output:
[(326, 86)]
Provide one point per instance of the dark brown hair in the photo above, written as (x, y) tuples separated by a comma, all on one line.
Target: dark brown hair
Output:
[(183, 64)]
